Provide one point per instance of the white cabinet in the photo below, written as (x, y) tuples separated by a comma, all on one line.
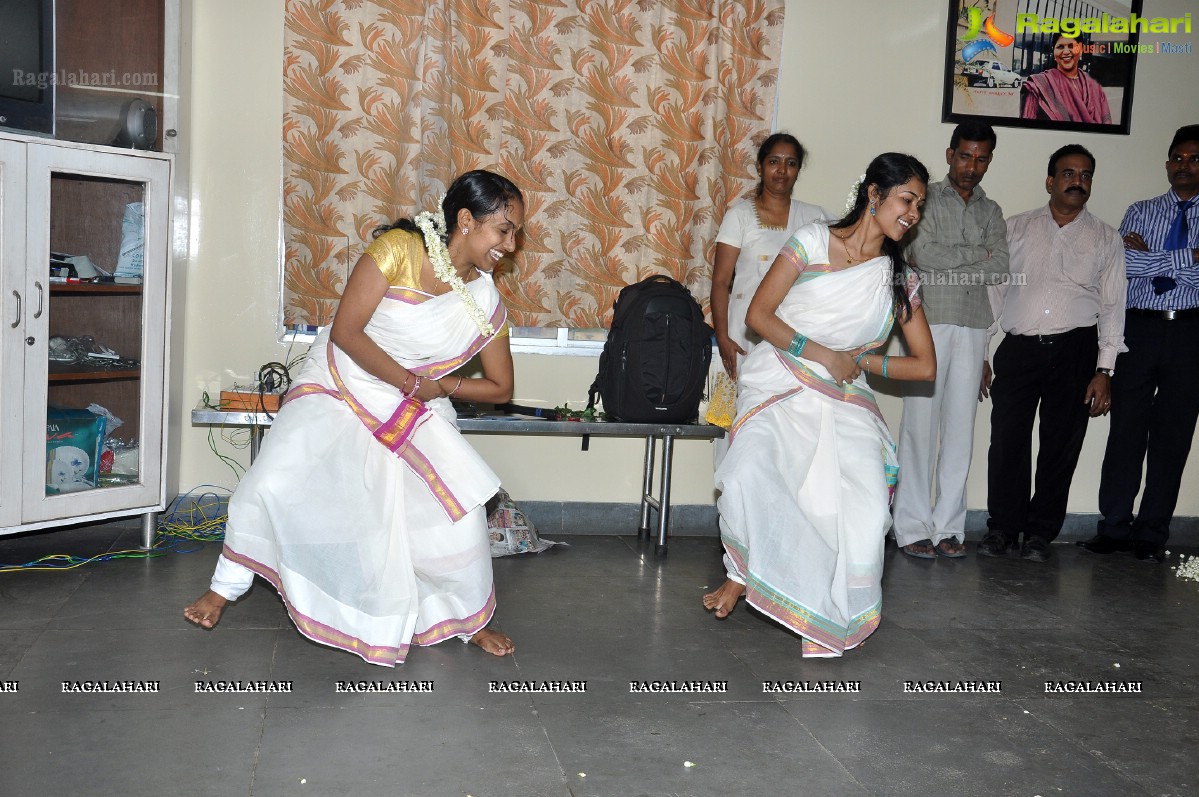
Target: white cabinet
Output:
[(71, 198)]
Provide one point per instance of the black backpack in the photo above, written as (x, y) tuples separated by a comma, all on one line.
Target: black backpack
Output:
[(655, 362)]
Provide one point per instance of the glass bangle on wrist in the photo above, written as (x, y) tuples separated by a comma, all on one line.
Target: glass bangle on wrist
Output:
[(797, 344)]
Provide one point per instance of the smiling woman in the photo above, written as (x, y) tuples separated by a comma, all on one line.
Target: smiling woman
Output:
[(806, 484), (365, 506), (1064, 93)]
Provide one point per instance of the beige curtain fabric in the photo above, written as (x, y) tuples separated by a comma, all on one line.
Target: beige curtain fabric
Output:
[(629, 126)]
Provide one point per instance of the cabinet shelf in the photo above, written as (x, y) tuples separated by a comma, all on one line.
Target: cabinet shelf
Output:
[(75, 372), (94, 287)]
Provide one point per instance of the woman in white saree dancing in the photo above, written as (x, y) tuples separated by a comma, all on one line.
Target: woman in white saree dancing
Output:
[(806, 485), (364, 508)]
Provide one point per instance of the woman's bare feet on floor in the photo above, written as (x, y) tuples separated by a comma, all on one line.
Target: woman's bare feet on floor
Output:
[(206, 612), (493, 642), (724, 599)]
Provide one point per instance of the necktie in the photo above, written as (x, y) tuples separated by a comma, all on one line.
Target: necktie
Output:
[(1177, 237)]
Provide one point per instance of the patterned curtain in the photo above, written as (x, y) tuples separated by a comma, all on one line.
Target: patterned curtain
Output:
[(629, 126)]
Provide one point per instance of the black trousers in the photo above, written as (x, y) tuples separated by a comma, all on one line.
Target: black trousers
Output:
[(1155, 403), (1046, 375)]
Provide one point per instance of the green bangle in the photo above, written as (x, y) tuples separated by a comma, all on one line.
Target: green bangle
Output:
[(797, 344), (858, 360), (885, 358)]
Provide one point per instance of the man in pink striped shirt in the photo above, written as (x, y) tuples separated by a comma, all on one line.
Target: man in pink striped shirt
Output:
[(1063, 315)]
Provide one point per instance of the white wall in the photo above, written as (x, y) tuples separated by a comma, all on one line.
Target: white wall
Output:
[(854, 84)]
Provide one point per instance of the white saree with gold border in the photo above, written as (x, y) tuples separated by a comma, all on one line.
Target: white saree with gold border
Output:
[(365, 509), (807, 482)]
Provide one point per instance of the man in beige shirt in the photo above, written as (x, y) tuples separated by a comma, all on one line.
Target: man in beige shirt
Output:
[(1063, 312), (959, 247)]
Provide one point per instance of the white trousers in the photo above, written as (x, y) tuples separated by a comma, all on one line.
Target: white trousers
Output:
[(936, 439), (231, 580)]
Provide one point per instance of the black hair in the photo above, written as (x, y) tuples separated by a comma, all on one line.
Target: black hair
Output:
[(1184, 134), (973, 130), (887, 172), (768, 144), (1069, 149), (479, 191)]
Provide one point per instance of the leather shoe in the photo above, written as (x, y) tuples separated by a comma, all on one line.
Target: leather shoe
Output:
[(1104, 545), (1149, 552), (995, 544), (1036, 550)]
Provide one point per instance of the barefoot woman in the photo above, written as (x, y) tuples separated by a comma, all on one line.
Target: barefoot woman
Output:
[(805, 487), (365, 507)]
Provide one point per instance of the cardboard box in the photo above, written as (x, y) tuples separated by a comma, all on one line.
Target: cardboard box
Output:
[(250, 400)]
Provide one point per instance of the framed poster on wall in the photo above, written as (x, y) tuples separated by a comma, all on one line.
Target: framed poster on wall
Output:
[(1048, 64)]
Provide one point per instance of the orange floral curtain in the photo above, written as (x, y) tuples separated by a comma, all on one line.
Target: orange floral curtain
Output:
[(629, 126)]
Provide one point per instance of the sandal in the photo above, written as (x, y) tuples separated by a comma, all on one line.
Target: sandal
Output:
[(951, 548), (921, 549)]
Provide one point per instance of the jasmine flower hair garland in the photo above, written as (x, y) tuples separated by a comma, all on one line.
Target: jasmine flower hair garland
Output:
[(852, 199), (434, 229)]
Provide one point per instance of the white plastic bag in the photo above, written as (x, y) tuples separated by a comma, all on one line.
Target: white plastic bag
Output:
[(133, 241)]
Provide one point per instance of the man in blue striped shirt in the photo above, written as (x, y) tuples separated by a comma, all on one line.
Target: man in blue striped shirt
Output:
[(1155, 389)]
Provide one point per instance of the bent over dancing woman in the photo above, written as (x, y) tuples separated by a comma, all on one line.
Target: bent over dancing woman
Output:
[(806, 485), (365, 507)]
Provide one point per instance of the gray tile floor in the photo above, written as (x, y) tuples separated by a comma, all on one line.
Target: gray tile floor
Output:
[(605, 612)]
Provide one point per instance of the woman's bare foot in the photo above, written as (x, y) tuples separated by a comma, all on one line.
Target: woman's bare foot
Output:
[(206, 612), (493, 642), (724, 599)]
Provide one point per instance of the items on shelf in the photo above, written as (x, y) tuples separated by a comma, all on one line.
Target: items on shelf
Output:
[(133, 225), (84, 350), (74, 439), (81, 452), (252, 398), (68, 269)]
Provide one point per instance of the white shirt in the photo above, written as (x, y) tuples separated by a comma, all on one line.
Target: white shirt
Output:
[(1063, 278)]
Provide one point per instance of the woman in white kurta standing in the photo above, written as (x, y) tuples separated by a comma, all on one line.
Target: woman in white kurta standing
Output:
[(364, 508), (806, 485), (751, 234)]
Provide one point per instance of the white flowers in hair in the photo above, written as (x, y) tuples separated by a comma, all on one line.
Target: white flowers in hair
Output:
[(433, 227), (852, 199)]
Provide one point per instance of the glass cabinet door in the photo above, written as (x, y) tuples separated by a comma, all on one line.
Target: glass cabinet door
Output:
[(12, 332), (95, 344)]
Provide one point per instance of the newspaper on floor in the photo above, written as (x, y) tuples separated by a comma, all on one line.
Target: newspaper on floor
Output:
[(509, 531)]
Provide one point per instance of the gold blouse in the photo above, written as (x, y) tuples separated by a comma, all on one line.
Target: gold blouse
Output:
[(399, 254)]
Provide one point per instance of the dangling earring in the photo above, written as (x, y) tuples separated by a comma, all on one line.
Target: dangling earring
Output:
[(872, 208)]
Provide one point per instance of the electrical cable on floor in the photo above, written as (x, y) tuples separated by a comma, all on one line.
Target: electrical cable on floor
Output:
[(69, 562), (197, 516), (193, 517)]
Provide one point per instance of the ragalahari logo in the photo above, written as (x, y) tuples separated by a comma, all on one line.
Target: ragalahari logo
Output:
[(981, 36)]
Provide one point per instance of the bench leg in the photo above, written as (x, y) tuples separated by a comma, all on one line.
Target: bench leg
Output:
[(256, 434), (664, 498), (647, 486)]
